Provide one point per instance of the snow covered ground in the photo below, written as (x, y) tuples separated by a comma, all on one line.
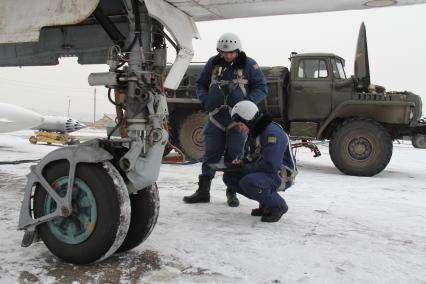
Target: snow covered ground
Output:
[(339, 229)]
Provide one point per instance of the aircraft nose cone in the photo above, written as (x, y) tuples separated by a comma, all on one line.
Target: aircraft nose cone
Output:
[(74, 125), (78, 125)]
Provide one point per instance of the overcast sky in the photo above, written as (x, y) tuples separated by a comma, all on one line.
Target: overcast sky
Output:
[(396, 41)]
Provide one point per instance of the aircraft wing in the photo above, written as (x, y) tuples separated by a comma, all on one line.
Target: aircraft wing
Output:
[(208, 10), (22, 20)]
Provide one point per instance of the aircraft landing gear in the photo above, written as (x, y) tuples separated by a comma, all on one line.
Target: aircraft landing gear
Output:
[(90, 200)]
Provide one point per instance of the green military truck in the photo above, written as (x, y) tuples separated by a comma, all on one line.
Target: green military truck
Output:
[(314, 100)]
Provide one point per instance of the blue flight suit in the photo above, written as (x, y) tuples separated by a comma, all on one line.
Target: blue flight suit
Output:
[(259, 179), (216, 91)]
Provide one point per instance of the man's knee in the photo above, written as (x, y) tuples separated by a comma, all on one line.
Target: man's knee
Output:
[(232, 179), (249, 181), (229, 180), (249, 185)]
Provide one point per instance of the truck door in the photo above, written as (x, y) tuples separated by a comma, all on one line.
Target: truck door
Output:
[(310, 90)]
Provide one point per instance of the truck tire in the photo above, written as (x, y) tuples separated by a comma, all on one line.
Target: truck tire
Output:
[(419, 141), (191, 137), (101, 212), (145, 208), (360, 147)]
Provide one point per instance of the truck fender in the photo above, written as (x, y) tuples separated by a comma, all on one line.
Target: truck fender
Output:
[(338, 112)]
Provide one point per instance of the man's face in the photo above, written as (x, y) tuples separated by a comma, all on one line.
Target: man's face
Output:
[(229, 56), (243, 128)]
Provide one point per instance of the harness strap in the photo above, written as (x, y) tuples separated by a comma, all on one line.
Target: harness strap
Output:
[(286, 173), (240, 81), (215, 74), (217, 123)]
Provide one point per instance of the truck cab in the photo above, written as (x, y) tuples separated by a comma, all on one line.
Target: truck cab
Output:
[(317, 84)]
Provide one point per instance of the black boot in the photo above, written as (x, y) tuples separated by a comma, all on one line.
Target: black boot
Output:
[(203, 192), (271, 215), (258, 211), (231, 198)]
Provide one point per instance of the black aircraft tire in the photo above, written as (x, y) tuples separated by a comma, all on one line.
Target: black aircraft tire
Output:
[(419, 141), (145, 208), (360, 147), (99, 190), (191, 137)]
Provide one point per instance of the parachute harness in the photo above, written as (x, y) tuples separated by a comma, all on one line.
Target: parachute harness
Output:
[(239, 81)]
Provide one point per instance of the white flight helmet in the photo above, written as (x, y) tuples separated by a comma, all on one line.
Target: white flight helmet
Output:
[(244, 111), (229, 42)]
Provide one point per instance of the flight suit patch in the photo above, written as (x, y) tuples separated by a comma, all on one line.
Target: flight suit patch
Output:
[(255, 66), (272, 139)]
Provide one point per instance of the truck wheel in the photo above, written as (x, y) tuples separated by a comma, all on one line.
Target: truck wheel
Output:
[(145, 208), (419, 141), (100, 214), (360, 147), (191, 137)]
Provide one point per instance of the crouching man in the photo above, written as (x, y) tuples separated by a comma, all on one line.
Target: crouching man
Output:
[(268, 167)]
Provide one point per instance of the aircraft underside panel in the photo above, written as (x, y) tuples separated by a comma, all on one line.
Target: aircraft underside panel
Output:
[(89, 43), (22, 20)]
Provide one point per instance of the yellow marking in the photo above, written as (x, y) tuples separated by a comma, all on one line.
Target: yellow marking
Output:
[(90, 227), (272, 139)]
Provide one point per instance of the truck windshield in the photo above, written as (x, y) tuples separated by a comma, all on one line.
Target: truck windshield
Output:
[(312, 69), (338, 70)]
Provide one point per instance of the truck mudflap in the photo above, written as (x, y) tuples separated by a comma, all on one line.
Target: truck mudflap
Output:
[(418, 139), (308, 144)]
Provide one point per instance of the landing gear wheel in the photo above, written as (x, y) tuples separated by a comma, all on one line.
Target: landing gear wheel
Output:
[(419, 141), (73, 142), (33, 140), (360, 147), (191, 138), (100, 215), (145, 208)]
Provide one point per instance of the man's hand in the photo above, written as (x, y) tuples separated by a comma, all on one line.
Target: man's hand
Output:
[(238, 163)]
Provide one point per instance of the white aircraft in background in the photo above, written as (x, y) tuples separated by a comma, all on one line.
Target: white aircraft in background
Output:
[(115, 205), (13, 118)]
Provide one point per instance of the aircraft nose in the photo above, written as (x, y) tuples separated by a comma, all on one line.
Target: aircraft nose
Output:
[(78, 125)]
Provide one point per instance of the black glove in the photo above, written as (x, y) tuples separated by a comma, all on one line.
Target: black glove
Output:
[(239, 166)]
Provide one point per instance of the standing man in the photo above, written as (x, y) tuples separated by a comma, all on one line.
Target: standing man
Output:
[(228, 78), (269, 166)]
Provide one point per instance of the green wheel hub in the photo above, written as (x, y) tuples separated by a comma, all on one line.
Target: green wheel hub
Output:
[(360, 148), (77, 227)]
